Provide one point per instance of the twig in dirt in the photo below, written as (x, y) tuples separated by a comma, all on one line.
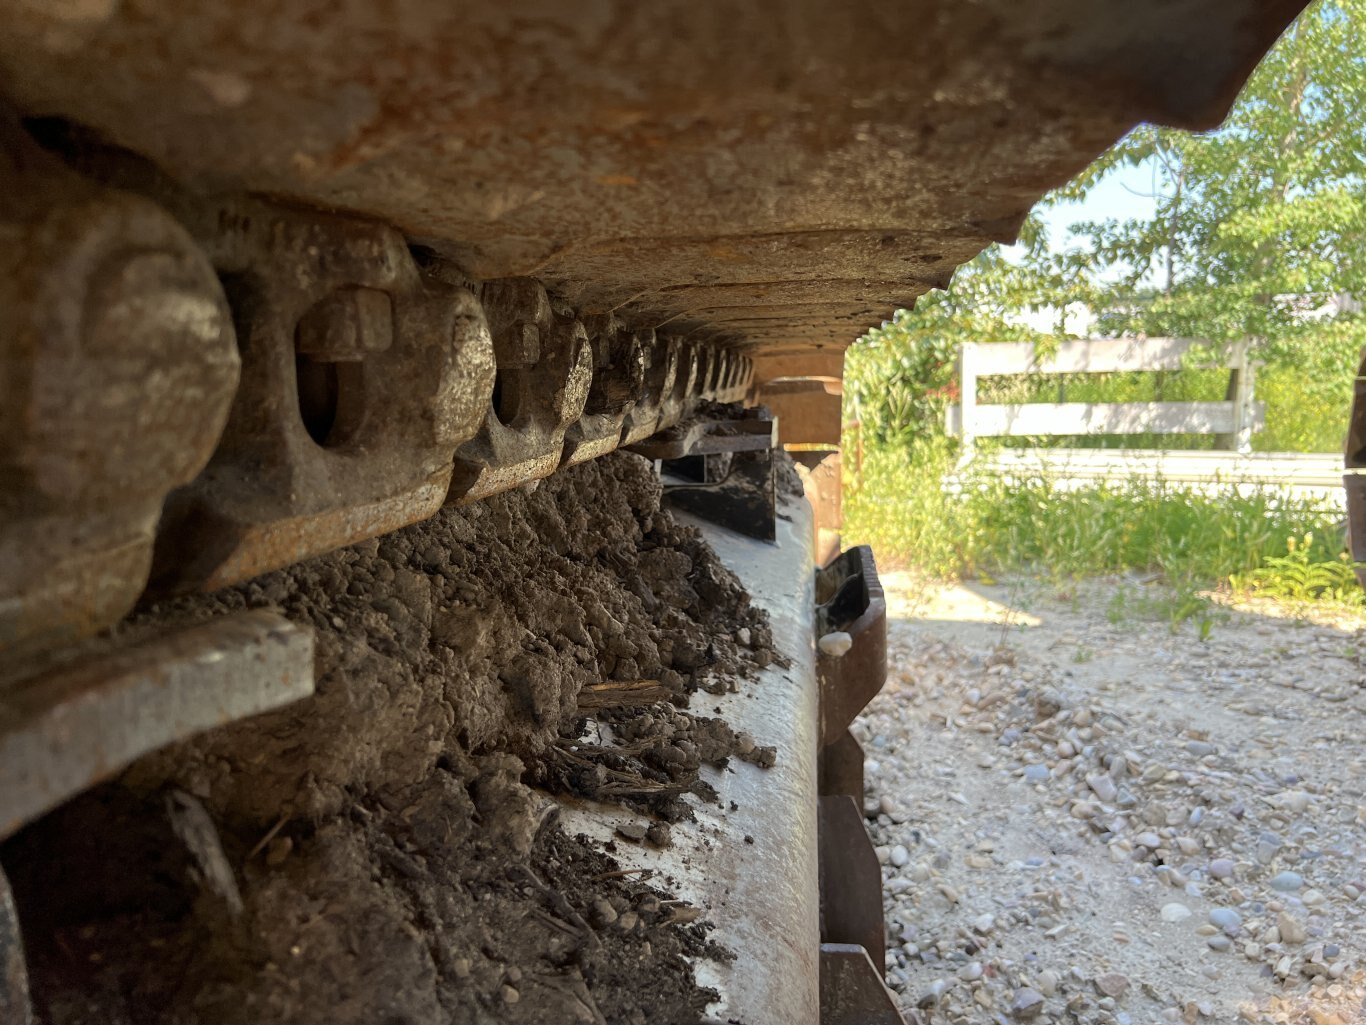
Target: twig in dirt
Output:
[(622, 693), (557, 900), (270, 835), (579, 993), (644, 873), (546, 918)]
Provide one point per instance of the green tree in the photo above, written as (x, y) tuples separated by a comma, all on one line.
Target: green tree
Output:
[(1259, 230)]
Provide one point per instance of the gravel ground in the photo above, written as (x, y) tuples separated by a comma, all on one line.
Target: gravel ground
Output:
[(1086, 818)]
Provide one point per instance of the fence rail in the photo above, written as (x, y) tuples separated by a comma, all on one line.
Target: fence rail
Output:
[(1233, 420)]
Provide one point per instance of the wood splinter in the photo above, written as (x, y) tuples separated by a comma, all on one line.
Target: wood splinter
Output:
[(622, 693)]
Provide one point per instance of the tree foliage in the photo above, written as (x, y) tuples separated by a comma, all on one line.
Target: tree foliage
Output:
[(1258, 232)]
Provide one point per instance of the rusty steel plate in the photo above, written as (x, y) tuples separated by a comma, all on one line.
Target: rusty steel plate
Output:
[(851, 879), (851, 600), (67, 729), (852, 990)]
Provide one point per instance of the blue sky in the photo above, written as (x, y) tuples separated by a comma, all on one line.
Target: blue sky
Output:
[(1125, 192)]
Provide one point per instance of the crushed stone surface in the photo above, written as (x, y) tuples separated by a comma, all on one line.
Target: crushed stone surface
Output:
[(1084, 817), (376, 853)]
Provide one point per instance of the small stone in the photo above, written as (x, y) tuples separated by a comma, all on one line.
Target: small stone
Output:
[(1102, 786), (1221, 868), (278, 850), (1312, 898), (743, 636), (1200, 748), (835, 644), (510, 995), (1048, 982), (971, 972), (1226, 919), (984, 924), (1149, 840), (1220, 942), (603, 912), (633, 830), (899, 856), (1294, 801), (1112, 984), (1175, 912), (1026, 1004), (933, 994), (1286, 882), (1187, 845), (659, 834), (628, 921), (1292, 930), (1037, 773)]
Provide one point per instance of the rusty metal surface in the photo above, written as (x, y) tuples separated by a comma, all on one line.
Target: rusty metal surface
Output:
[(852, 990), (1355, 483), (772, 172), (15, 1006), (64, 730), (117, 364), (851, 879), (850, 600), (709, 437), (544, 370), (749, 861), (821, 471), (1354, 461), (743, 498), (361, 373), (841, 767)]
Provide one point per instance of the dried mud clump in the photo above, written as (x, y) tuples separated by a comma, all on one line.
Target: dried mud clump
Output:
[(374, 854), (646, 758)]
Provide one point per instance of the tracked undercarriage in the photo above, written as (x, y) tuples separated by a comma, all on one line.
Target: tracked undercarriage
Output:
[(281, 285)]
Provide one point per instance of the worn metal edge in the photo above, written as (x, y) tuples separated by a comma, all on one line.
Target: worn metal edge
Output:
[(761, 894), (67, 729)]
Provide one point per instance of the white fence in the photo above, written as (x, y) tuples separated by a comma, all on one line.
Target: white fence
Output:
[(1233, 420), (1233, 467)]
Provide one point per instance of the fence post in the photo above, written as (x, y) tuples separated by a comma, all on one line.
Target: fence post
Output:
[(1242, 373), (967, 400)]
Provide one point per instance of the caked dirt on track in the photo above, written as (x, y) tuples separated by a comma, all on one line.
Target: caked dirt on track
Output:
[(1087, 818), (375, 855)]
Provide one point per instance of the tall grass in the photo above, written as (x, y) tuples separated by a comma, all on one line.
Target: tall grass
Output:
[(1262, 540)]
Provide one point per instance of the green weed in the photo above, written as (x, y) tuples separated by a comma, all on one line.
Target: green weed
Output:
[(1262, 542), (1303, 574)]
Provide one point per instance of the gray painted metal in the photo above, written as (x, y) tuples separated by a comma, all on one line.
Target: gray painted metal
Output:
[(67, 729), (761, 893)]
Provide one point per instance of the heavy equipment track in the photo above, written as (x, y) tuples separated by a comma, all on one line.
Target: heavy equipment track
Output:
[(298, 303)]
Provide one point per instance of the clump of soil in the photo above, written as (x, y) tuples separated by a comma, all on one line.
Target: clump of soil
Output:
[(649, 759), (373, 854), (471, 632)]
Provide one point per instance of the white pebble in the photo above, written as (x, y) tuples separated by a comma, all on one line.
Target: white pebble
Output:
[(835, 644)]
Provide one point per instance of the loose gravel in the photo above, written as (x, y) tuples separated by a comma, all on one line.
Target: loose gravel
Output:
[(1084, 817)]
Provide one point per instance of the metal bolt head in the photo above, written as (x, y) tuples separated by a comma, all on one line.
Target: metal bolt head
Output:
[(346, 326)]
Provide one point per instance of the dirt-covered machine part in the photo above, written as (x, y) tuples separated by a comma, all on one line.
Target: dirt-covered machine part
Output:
[(280, 279)]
